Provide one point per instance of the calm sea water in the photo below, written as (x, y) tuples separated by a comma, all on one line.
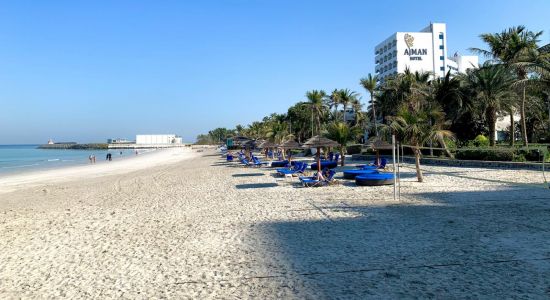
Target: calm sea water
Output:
[(22, 158)]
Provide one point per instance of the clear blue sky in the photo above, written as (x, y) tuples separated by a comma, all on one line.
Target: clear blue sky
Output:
[(90, 70)]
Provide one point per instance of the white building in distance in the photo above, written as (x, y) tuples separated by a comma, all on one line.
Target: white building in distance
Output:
[(423, 51), (158, 139)]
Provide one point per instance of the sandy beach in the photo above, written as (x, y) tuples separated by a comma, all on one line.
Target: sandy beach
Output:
[(192, 226)]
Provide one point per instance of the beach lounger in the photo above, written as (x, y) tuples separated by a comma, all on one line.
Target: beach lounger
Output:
[(314, 182), (298, 168), (257, 162)]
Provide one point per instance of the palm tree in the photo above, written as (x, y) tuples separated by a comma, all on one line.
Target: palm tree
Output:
[(513, 47), (316, 103), (491, 85), (333, 101), (342, 133), (418, 126), (369, 83)]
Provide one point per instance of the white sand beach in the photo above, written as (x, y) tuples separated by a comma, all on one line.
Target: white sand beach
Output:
[(148, 159), (202, 228)]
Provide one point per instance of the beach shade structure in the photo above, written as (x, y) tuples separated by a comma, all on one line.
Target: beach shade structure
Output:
[(378, 144), (290, 144), (318, 142)]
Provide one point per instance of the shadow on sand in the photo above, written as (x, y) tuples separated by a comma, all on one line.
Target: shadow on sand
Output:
[(255, 185), (463, 244), (248, 175)]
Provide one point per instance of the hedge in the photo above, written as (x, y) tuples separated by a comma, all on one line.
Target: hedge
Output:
[(486, 154)]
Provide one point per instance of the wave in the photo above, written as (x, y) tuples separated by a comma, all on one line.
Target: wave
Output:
[(54, 159)]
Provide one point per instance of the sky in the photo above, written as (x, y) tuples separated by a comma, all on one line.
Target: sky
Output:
[(86, 71)]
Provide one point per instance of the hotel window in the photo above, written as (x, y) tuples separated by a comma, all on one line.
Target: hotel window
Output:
[(441, 47), (441, 35), (442, 58), (442, 68)]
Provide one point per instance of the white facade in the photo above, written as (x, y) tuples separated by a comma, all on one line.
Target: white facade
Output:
[(460, 63), (423, 51), (158, 139)]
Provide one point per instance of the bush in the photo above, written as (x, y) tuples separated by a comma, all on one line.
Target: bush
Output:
[(479, 141), (532, 154), (486, 154), (353, 149)]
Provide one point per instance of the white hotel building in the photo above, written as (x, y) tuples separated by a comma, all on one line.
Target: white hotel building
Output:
[(419, 51)]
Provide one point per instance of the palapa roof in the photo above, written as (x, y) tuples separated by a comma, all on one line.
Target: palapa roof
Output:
[(290, 144), (267, 144), (378, 144), (319, 141)]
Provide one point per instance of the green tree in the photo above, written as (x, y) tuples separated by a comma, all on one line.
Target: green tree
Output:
[(418, 126), (318, 107), (369, 83), (342, 133), (491, 85), (514, 47)]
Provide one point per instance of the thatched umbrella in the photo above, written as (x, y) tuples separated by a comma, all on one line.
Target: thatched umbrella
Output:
[(318, 142), (377, 144), (266, 144), (290, 144)]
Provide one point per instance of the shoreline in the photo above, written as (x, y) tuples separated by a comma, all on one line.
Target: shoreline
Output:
[(10, 182)]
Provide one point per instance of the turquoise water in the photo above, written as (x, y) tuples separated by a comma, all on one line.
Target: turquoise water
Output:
[(22, 158)]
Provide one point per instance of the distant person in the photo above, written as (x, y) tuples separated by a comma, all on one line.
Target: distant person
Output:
[(90, 158), (107, 156), (93, 158), (120, 153), (137, 152)]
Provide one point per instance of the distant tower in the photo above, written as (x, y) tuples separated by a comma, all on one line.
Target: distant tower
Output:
[(50, 142)]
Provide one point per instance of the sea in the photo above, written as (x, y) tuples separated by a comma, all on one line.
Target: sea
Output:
[(24, 158)]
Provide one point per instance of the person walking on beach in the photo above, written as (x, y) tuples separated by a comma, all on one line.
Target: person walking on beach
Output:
[(90, 158)]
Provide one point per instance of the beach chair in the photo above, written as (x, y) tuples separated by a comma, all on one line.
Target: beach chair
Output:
[(257, 162), (336, 157), (382, 165), (298, 168), (314, 182), (245, 161)]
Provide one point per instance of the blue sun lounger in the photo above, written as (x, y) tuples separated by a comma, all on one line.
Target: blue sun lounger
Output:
[(314, 182), (298, 168)]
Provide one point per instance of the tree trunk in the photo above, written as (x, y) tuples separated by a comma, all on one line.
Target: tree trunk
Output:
[(342, 156), (373, 114), (442, 142), (512, 129), (417, 163), (344, 115), (523, 123), (491, 116)]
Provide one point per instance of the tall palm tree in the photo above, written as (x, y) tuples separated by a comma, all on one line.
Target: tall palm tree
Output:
[(369, 83), (316, 103), (492, 87), (333, 101), (513, 47), (346, 98)]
